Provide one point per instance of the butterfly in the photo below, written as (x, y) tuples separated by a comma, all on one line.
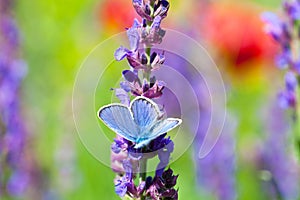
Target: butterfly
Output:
[(140, 123)]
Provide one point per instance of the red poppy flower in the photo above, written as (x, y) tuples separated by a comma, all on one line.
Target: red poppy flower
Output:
[(237, 32), (116, 15)]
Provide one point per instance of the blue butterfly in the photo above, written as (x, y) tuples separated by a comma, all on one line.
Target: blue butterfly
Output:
[(140, 123)]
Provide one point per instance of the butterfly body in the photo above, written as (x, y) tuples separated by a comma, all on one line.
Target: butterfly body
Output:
[(140, 123)]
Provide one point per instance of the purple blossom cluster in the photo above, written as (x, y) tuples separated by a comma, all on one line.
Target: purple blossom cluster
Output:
[(285, 31), (277, 160), (161, 186), (127, 160), (12, 132), (276, 157), (142, 37)]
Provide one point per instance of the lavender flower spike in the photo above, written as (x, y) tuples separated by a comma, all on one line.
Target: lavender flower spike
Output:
[(286, 34), (216, 172), (141, 126), (13, 135), (276, 159)]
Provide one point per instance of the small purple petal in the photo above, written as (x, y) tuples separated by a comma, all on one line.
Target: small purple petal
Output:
[(161, 8), (139, 2), (122, 96), (161, 84), (141, 9), (17, 183), (287, 99), (283, 60), (121, 187), (125, 86), (296, 66), (273, 24), (293, 9), (129, 76), (136, 23), (156, 22), (134, 61), (141, 187), (127, 166), (116, 148), (121, 53), (134, 38), (291, 81)]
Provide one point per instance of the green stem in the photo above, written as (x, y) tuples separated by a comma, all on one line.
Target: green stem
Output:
[(146, 75), (143, 173), (143, 169), (296, 124), (148, 52), (147, 71)]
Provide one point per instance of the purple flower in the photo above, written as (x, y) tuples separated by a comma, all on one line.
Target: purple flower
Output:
[(121, 53), (142, 8), (296, 66), (119, 144), (154, 35), (287, 99), (216, 172), (117, 161), (160, 8), (137, 34), (284, 33), (162, 187), (17, 183), (291, 81), (123, 96), (9, 28), (125, 185), (273, 25), (121, 185), (151, 90), (135, 59), (156, 60), (130, 76), (133, 36), (292, 9), (284, 59), (277, 160)]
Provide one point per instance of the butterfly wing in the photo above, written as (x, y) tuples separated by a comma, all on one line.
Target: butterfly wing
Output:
[(164, 126), (159, 128), (145, 112), (119, 119)]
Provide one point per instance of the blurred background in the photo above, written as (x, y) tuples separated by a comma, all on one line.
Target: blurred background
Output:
[(55, 38)]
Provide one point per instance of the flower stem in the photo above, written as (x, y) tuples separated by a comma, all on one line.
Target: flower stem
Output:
[(147, 71), (148, 51), (143, 169), (296, 122), (143, 173)]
